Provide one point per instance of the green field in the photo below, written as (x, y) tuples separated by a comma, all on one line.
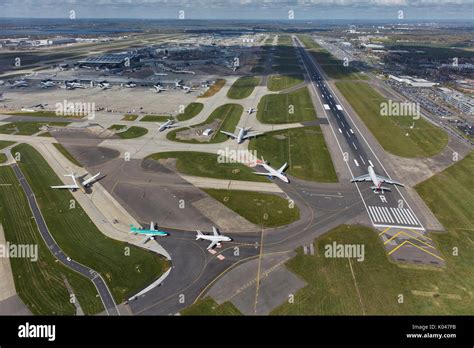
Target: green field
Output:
[(133, 132), (229, 116), (286, 108), (154, 118), (67, 154), (258, 69), (207, 165), (27, 128), (193, 109), (243, 87), (263, 209), (304, 149), (78, 236), (208, 306), (3, 158), (129, 117), (287, 69), (332, 66), (117, 127), (281, 82), (216, 87), (424, 140), (4, 144), (450, 196), (39, 284)]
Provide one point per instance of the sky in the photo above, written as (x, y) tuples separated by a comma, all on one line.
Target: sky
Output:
[(242, 9)]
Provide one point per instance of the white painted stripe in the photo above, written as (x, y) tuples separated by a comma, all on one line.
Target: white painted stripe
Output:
[(409, 218), (395, 215), (412, 216), (372, 211), (371, 164), (399, 226), (405, 221), (362, 159), (339, 107), (326, 107), (387, 214), (379, 213), (382, 212), (355, 147), (357, 163), (340, 131), (402, 213), (351, 131)]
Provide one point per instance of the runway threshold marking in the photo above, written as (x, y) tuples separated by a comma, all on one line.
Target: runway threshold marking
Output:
[(416, 246)]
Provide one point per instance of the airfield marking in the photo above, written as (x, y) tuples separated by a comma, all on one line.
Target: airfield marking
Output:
[(385, 230), (355, 284), (408, 235), (417, 246), (257, 285)]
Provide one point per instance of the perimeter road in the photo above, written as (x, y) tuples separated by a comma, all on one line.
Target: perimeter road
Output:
[(104, 292)]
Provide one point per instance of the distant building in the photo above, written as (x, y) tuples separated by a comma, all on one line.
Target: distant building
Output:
[(61, 41), (109, 60), (458, 100), (412, 81)]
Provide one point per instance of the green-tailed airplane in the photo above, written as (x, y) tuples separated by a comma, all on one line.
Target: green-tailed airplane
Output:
[(151, 233)]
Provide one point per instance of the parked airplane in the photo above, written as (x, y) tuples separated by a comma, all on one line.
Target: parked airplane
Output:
[(168, 124), (103, 85), (250, 111), (47, 84), (271, 173), (73, 85), (186, 89), (151, 233), (81, 185), (215, 238), (18, 84), (159, 88), (178, 84), (377, 180), (130, 84), (243, 134)]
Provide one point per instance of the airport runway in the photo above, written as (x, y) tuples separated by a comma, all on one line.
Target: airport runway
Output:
[(104, 292)]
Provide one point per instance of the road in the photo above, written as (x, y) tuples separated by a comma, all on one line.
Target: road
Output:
[(104, 292)]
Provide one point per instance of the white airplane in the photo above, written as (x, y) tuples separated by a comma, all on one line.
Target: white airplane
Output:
[(271, 173), (186, 89), (215, 238), (47, 84), (178, 84), (81, 185), (243, 134), (104, 85), (250, 111), (73, 85), (168, 124), (130, 85), (159, 88), (18, 83), (377, 180)]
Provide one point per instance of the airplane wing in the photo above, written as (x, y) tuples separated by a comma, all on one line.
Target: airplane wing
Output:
[(214, 231), (70, 187), (91, 179), (229, 134), (282, 168), (365, 177), (259, 173), (389, 181), (213, 244), (253, 134)]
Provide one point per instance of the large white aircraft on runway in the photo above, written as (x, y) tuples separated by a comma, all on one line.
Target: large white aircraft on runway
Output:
[(250, 111), (18, 83), (73, 85), (215, 237), (377, 180), (159, 88), (271, 173), (168, 124), (243, 134), (81, 185)]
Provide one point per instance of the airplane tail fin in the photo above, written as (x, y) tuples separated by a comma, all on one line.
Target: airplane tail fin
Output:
[(152, 226), (199, 234)]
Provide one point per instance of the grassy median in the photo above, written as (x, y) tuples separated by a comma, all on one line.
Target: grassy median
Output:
[(125, 272), (243, 87)]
